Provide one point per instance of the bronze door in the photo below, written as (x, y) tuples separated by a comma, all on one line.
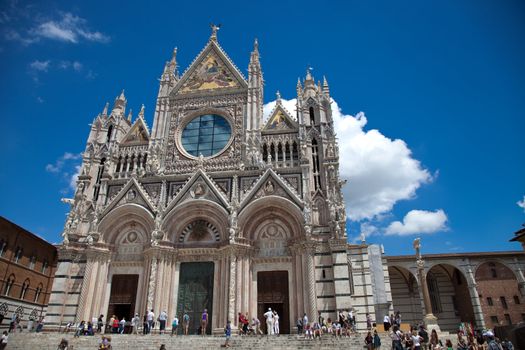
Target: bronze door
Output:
[(123, 296), (195, 293), (272, 292)]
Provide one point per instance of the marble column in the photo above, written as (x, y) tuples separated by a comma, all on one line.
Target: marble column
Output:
[(152, 283), (311, 284), (474, 298), (232, 288)]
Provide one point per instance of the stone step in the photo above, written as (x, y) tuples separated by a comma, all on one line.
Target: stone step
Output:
[(50, 341)]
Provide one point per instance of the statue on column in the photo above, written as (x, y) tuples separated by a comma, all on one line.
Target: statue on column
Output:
[(157, 233), (417, 247)]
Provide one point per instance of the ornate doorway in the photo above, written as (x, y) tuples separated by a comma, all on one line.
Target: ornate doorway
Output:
[(123, 296), (196, 293), (272, 292)]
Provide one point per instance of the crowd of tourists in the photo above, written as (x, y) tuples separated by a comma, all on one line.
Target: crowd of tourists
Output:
[(418, 338), (137, 325)]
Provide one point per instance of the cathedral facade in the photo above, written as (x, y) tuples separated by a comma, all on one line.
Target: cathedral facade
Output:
[(215, 207)]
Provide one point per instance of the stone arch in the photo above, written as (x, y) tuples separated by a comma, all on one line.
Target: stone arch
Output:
[(176, 222), (269, 209), (450, 296), (501, 267), (126, 219), (405, 295), (199, 230)]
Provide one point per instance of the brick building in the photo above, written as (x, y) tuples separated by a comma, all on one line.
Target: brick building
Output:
[(27, 266)]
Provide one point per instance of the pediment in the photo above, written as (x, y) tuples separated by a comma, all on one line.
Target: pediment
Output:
[(280, 120), (211, 70), (270, 184), (199, 186), (131, 193), (137, 134)]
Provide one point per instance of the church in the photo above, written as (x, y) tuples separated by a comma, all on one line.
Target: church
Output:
[(215, 207)]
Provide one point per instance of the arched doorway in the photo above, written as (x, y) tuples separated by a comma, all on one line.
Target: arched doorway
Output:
[(405, 295), (449, 296)]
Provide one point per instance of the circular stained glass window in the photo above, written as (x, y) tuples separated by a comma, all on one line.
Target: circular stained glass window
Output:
[(206, 134)]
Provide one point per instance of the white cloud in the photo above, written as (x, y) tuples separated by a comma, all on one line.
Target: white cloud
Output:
[(380, 171), (40, 66), (59, 164), (74, 177), (67, 28), (75, 65), (419, 222), (521, 203)]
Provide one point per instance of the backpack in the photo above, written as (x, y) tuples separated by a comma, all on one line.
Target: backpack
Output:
[(424, 335)]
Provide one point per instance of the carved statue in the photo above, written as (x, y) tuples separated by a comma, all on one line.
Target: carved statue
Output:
[(89, 240), (417, 247), (268, 188)]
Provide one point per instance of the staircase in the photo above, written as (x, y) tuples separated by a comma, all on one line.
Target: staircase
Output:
[(50, 341)]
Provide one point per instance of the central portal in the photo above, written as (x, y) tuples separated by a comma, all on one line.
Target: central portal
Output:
[(195, 293), (122, 296), (272, 292)]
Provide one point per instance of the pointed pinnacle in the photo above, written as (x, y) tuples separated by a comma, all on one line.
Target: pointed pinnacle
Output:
[(325, 83), (278, 95), (130, 115), (122, 97), (256, 45), (105, 110), (141, 113)]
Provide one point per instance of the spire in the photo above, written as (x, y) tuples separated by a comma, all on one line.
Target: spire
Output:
[(130, 115), (299, 87), (105, 110), (278, 96), (141, 113), (122, 97), (309, 74), (326, 89), (173, 63), (214, 30), (119, 107)]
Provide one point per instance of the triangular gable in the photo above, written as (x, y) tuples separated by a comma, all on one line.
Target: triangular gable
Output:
[(199, 186), (132, 192), (211, 70), (271, 184), (138, 133), (280, 120)]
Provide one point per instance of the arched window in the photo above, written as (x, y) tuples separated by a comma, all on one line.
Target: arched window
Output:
[(44, 266), (315, 164), (38, 291), (32, 262), (9, 284), (99, 175), (110, 131), (265, 152), (18, 254), (312, 116), (24, 289), (295, 151), (3, 246)]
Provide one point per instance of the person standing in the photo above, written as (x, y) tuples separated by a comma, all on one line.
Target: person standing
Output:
[(150, 319), (227, 334), (145, 325), (305, 320), (186, 322), (377, 341), (121, 325), (135, 324), (299, 326), (369, 341), (368, 321), (269, 321), (162, 321), (275, 322), (3, 342), (100, 323), (386, 323), (204, 321), (174, 325)]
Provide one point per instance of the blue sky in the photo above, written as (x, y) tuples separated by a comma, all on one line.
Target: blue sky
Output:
[(438, 152)]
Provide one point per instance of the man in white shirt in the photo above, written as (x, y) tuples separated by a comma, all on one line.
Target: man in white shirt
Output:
[(135, 324), (386, 323), (150, 318), (269, 321), (163, 317)]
